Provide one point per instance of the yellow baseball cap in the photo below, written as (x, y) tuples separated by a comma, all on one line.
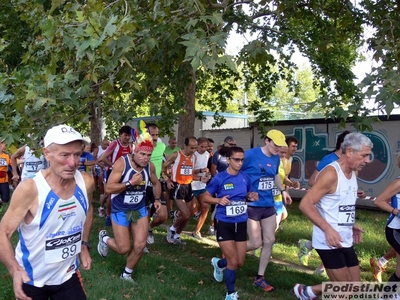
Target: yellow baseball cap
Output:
[(277, 137)]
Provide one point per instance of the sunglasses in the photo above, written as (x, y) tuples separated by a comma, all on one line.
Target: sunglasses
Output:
[(236, 159), (232, 144)]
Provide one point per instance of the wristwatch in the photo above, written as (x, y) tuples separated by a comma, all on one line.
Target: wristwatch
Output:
[(87, 244), (128, 184)]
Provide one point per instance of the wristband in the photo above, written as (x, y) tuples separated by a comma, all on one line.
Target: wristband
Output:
[(157, 199), (86, 244)]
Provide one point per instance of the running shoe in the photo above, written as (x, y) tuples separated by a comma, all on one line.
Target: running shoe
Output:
[(377, 270), (303, 253), (178, 241), (171, 214), (101, 212), (233, 296), (218, 272), (102, 247), (197, 215), (150, 237), (211, 230), (301, 293), (321, 272), (128, 279), (170, 236), (197, 236), (263, 284), (146, 250)]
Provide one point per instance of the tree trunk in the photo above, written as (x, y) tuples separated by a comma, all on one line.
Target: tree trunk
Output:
[(186, 119), (95, 123)]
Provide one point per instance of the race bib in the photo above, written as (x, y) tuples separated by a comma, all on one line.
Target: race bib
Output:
[(265, 183), (33, 166), (236, 208), (62, 248), (133, 197), (347, 214), (186, 170), (276, 192)]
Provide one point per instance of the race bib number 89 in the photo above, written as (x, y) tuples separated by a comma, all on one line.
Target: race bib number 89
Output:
[(62, 248)]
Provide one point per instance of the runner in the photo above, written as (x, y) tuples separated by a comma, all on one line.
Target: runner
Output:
[(261, 165), (115, 150), (330, 206), (157, 158), (127, 186), (231, 189), (198, 186), (53, 215), (5, 163), (180, 184)]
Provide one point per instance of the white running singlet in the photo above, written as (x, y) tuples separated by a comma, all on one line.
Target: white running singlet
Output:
[(338, 209), (48, 247), (201, 163), (32, 164)]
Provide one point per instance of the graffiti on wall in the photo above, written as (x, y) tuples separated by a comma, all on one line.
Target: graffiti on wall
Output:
[(313, 146)]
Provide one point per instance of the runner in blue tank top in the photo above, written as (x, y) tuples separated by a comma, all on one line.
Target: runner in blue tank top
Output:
[(232, 189)]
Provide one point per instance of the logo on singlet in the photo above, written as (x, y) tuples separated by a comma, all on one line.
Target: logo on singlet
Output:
[(228, 186)]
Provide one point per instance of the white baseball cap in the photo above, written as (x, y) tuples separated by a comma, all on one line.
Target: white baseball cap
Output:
[(61, 135)]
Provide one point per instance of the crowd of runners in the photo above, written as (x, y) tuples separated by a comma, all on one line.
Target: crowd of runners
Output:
[(240, 195)]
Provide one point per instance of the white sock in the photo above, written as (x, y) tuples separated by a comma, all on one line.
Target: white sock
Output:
[(172, 228), (310, 292), (128, 271), (309, 245), (105, 238)]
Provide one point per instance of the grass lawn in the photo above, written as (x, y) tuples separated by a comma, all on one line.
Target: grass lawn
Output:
[(176, 272)]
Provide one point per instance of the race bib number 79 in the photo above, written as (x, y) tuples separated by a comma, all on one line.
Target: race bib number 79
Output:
[(347, 214)]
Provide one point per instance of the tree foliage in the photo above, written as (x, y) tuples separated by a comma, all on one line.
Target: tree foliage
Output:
[(80, 61)]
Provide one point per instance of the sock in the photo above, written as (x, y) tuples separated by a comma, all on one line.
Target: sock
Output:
[(105, 238), (177, 236), (310, 293), (382, 261), (222, 263), (259, 276), (309, 245), (230, 280), (150, 230), (127, 272), (172, 228)]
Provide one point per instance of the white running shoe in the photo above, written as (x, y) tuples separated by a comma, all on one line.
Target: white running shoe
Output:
[(170, 236), (102, 247), (150, 237)]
